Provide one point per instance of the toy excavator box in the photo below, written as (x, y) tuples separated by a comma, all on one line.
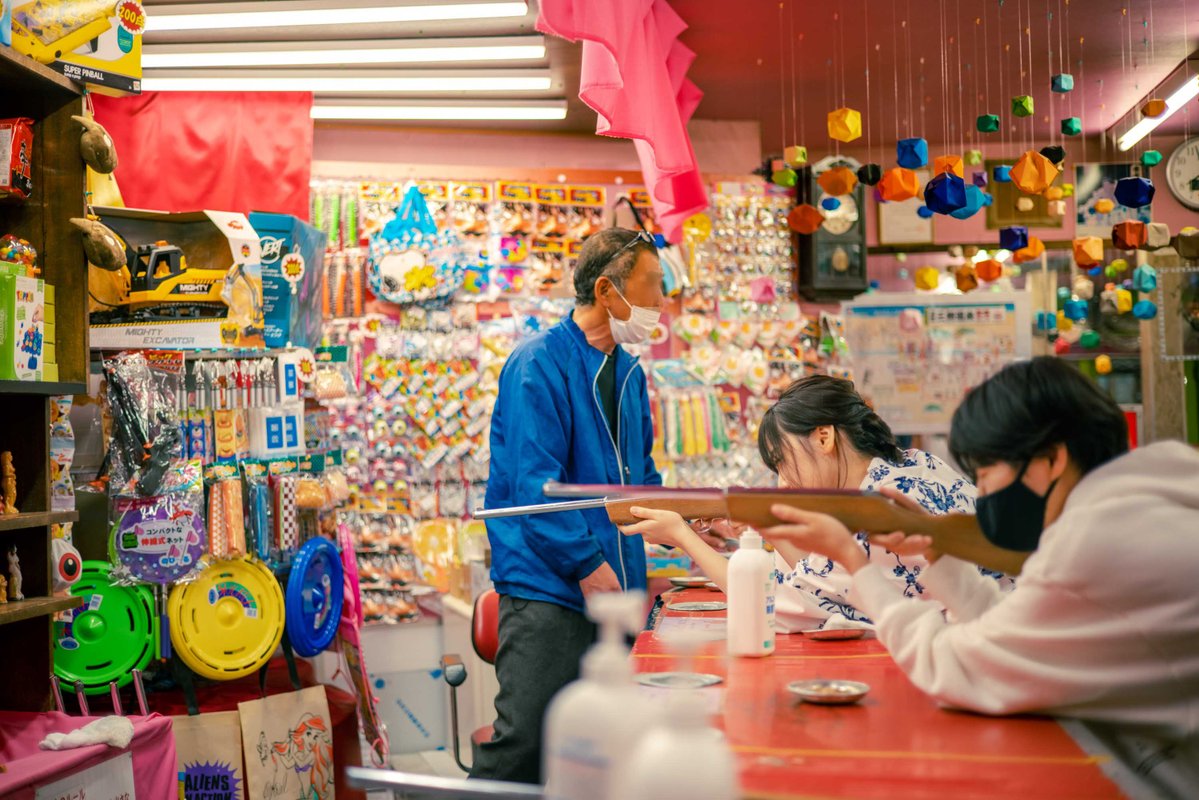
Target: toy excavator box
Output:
[(96, 42), (191, 280)]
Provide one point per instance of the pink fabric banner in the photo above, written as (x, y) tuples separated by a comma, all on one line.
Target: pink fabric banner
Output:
[(634, 75)]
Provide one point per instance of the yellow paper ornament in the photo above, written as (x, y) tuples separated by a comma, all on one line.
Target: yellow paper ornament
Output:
[(1104, 206), (927, 278), (844, 124)]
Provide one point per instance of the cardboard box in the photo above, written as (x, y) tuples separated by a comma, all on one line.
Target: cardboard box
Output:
[(96, 42), (22, 324), (289, 244)]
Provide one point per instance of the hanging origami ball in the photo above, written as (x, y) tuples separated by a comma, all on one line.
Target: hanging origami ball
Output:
[(1103, 364), (965, 277), (1151, 158), (1054, 153), (784, 177), (989, 270), (1089, 340), (1096, 271), (1154, 107), (911, 153), (1056, 208), (1024, 204), (1144, 278), (1046, 321), (805, 219), (1088, 251), (1075, 310), (1083, 288), (1104, 206), (987, 123), (1063, 294), (830, 203), (1071, 126), (948, 164), (1013, 237), (844, 124), (1157, 235), (1144, 309), (1002, 174), (795, 155), (1123, 301), (1053, 193), (988, 199), (1129, 235), (898, 184), (924, 212), (1022, 105), (1187, 244), (1134, 192), (945, 193), (979, 178), (1033, 173), (974, 203), (973, 158), (1116, 268), (1063, 324), (1062, 83), (1030, 251), (1061, 346), (927, 278), (870, 174), (837, 181), (1067, 190)]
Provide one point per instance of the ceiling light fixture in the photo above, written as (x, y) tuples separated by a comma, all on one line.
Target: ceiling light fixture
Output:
[(1187, 92), (359, 82), (300, 54), (280, 13), (433, 111)]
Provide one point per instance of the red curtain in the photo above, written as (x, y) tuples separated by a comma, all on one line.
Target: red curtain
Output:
[(225, 151)]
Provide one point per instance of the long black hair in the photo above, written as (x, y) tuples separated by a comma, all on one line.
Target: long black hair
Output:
[(1026, 408), (820, 400)]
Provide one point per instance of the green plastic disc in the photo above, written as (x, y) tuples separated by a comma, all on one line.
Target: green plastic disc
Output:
[(107, 637)]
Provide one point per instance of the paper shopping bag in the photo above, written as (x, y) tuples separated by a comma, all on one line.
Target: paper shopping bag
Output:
[(208, 751), (288, 745)]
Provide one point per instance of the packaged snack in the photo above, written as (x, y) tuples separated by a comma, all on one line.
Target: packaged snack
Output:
[(16, 155)]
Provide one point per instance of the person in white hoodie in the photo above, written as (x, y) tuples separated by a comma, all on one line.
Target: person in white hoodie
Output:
[(821, 434), (1104, 623)]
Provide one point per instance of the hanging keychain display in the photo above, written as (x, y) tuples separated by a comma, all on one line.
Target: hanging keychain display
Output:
[(411, 261), (227, 622), (109, 636), (315, 591)]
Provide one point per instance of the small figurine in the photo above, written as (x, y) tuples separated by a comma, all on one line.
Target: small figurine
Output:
[(3, 590), (14, 575), (8, 484)]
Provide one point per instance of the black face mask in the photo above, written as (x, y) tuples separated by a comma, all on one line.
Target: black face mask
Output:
[(1013, 517)]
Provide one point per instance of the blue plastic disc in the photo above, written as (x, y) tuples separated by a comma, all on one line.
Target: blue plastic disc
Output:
[(314, 596)]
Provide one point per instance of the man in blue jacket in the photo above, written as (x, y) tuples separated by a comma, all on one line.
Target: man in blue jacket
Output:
[(572, 407)]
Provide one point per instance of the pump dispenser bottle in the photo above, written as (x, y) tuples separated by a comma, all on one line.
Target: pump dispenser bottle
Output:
[(593, 724), (751, 599)]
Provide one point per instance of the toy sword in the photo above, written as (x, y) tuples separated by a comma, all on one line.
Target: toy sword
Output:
[(957, 535)]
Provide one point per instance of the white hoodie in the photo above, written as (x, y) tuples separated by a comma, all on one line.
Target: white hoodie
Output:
[(1103, 625)]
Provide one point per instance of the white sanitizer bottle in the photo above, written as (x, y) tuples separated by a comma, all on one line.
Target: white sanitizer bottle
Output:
[(681, 758), (751, 599), (592, 725)]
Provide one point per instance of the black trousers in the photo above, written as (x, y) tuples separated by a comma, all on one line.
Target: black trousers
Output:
[(541, 645)]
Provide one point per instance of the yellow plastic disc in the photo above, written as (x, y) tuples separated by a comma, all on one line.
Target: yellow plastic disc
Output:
[(227, 622)]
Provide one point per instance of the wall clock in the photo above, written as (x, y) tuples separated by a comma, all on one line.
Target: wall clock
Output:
[(1182, 173)]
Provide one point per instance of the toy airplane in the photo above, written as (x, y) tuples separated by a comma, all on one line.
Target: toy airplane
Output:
[(957, 535)]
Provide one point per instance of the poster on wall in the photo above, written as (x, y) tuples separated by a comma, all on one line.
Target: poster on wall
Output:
[(288, 742), (898, 223), (1094, 182), (915, 355)]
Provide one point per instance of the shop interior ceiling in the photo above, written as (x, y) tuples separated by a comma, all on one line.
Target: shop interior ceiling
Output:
[(560, 61)]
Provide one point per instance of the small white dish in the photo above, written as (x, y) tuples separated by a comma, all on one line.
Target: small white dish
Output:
[(689, 582), (677, 680), (706, 605), (835, 634), (829, 692)]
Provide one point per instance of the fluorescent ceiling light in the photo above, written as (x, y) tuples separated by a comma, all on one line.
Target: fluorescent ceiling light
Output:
[(552, 110), (299, 54), (278, 13), (350, 82), (1187, 92)]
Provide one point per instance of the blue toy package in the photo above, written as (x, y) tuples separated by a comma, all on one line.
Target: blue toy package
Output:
[(293, 256), (6, 24)]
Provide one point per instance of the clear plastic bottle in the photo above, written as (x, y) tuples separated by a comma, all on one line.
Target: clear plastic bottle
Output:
[(751, 599), (593, 724), (681, 758)]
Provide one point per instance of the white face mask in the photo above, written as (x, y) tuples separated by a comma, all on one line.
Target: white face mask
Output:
[(638, 327)]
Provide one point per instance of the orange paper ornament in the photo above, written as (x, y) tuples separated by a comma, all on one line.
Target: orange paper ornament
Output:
[(1031, 251), (989, 270), (1033, 173), (1054, 193), (805, 219), (1088, 251), (899, 184), (837, 181), (948, 164)]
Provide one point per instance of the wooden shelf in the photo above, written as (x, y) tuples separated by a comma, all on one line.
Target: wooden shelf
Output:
[(16, 68), (42, 387), (17, 610), (35, 519)]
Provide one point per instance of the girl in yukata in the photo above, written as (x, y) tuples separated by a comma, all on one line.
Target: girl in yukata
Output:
[(821, 434)]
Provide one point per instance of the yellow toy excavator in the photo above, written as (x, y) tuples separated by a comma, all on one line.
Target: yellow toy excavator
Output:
[(163, 287)]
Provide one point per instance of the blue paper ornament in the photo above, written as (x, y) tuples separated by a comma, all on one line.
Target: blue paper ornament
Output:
[(988, 199), (1144, 278), (1046, 321), (1144, 309), (1013, 238), (975, 201), (1002, 174), (924, 212), (911, 153), (1075, 310), (830, 203), (1134, 192), (945, 193)]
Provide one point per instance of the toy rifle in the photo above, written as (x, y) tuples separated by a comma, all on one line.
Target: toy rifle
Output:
[(957, 535)]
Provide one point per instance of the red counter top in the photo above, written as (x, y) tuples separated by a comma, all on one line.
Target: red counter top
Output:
[(896, 743)]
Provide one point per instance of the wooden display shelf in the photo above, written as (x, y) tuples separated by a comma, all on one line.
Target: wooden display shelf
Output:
[(17, 610), (34, 519), (43, 387), (17, 67)]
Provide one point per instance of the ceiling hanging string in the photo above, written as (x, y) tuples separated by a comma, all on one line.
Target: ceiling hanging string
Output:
[(957, 27), (1032, 128), (841, 48), (782, 83), (895, 64), (794, 90), (907, 26), (869, 110), (1049, 72)]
